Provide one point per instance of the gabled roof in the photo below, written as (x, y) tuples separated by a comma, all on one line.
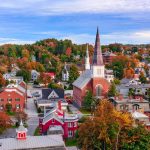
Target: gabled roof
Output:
[(83, 79), (47, 91)]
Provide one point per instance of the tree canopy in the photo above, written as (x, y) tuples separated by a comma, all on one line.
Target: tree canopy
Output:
[(112, 130)]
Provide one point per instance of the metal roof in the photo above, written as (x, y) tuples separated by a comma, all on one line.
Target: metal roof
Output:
[(83, 79), (32, 142)]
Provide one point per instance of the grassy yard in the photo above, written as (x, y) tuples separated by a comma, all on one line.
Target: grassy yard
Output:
[(10, 113), (85, 111), (36, 132), (71, 142)]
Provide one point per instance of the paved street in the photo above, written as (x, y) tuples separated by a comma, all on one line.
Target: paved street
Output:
[(72, 148), (32, 116)]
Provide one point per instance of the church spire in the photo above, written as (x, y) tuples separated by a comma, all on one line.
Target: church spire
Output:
[(97, 56), (87, 59)]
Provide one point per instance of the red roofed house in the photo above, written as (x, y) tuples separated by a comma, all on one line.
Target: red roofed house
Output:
[(93, 78), (14, 97), (51, 74)]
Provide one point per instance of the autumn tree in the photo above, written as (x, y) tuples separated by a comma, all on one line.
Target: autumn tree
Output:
[(5, 121), (142, 78), (44, 78), (2, 80), (21, 116), (128, 71), (103, 130)]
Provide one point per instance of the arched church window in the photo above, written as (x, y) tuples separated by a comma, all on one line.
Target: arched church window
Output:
[(98, 90)]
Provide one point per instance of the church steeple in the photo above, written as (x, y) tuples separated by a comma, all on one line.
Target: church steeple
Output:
[(98, 68), (87, 59), (97, 56)]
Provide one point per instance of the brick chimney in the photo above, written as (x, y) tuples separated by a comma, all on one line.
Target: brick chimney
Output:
[(59, 105)]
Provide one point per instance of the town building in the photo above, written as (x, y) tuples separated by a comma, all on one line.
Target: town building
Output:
[(51, 74), (57, 121), (13, 97), (108, 57), (109, 75), (24, 142), (65, 73), (50, 97), (93, 78), (138, 107), (15, 79), (34, 75), (135, 86)]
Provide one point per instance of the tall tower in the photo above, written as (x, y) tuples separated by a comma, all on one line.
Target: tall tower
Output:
[(87, 59), (98, 68)]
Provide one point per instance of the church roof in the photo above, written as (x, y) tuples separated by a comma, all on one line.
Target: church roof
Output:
[(83, 79), (97, 56)]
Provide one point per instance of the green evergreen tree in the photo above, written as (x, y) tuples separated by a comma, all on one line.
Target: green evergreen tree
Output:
[(112, 90), (88, 100), (73, 73)]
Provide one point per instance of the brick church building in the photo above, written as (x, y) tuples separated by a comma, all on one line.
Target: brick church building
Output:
[(93, 78)]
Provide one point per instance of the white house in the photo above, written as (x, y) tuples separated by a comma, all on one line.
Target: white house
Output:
[(34, 75), (109, 75), (65, 73)]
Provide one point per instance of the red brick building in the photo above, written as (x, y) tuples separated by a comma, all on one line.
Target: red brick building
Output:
[(14, 97), (108, 57), (93, 78)]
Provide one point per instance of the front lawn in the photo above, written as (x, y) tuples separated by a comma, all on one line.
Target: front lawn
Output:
[(36, 132), (10, 113), (85, 111), (71, 142)]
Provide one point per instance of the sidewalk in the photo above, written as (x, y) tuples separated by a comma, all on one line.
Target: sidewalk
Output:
[(72, 148)]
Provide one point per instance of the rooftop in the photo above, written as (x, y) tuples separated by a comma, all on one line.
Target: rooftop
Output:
[(32, 142)]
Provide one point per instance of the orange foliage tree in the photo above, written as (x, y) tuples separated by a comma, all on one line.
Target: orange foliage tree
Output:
[(104, 128), (44, 78), (5, 121), (2, 80)]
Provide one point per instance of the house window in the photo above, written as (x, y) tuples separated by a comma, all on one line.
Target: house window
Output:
[(17, 99), (70, 133), (9, 99), (53, 120), (1, 99), (69, 124), (98, 90), (121, 107), (17, 106), (136, 107), (75, 124), (1, 107)]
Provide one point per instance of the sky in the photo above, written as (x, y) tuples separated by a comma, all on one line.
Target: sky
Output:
[(119, 21)]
